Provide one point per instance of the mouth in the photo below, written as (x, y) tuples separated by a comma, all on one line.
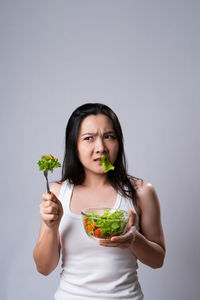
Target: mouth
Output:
[(97, 159)]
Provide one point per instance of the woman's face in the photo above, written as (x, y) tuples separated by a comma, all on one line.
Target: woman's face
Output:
[(96, 138)]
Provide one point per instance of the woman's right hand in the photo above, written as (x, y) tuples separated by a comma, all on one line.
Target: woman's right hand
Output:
[(51, 210)]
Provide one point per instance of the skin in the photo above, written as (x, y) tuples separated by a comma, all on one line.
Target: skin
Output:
[(97, 138)]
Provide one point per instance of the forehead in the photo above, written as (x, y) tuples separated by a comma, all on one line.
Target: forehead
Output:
[(96, 122)]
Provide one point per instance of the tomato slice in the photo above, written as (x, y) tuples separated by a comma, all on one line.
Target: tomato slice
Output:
[(97, 233)]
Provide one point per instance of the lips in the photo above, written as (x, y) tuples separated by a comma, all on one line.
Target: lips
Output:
[(97, 158)]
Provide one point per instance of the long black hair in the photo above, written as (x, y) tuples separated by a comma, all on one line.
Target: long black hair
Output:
[(72, 169)]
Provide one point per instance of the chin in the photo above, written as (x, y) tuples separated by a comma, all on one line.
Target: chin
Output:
[(95, 171), (99, 172)]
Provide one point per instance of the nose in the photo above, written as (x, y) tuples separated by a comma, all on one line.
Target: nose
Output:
[(100, 146)]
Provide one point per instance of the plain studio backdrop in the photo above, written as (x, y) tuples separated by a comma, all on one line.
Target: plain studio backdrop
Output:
[(141, 58)]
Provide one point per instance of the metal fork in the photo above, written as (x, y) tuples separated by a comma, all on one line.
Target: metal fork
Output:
[(46, 176)]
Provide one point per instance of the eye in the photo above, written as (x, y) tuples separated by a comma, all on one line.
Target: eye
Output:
[(88, 138), (109, 136)]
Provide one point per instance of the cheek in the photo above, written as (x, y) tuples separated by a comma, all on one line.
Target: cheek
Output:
[(115, 148), (116, 152), (80, 152), (84, 151)]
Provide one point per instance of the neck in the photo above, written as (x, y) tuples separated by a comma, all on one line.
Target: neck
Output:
[(95, 180)]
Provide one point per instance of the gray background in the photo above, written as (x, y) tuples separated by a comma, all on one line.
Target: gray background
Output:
[(142, 59)]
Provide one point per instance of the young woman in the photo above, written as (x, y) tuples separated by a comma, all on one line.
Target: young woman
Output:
[(91, 269)]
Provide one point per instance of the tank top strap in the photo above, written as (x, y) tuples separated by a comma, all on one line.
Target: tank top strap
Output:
[(126, 204), (65, 192), (129, 203)]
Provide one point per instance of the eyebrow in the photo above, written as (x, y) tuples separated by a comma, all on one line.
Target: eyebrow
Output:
[(92, 133)]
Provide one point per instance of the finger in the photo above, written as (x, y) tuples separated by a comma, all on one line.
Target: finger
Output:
[(46, 204), (55, 199), (49, 217), (119, 245), (50, 197), (47, 197), (122, 238), (50, 210), (118, 239), (107, 244)]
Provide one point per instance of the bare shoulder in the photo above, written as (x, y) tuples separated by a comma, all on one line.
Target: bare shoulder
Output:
[(145, 193), (55, 188)]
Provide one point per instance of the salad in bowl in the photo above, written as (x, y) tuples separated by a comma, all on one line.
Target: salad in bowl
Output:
[(104, 223)]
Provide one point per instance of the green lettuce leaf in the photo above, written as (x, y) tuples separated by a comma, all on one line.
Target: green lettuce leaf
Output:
[(107, 165), (48, 163)]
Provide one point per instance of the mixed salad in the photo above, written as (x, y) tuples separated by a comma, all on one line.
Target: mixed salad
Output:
[(107, 165), (106, 225)]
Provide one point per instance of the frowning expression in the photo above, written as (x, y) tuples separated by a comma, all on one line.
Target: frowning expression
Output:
[(96, 138)]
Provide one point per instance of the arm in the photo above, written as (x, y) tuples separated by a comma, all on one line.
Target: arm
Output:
[(148, 245), (47, 250)]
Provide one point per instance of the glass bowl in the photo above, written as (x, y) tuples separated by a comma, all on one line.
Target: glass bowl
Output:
[(102, 223)]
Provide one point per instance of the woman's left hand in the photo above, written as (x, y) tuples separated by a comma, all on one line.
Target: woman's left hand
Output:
[(123, 241)]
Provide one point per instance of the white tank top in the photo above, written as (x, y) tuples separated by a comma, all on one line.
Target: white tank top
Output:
[(91, 271)]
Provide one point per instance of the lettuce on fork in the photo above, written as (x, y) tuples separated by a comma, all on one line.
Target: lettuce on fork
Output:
[(107, 165), (48, 163)]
